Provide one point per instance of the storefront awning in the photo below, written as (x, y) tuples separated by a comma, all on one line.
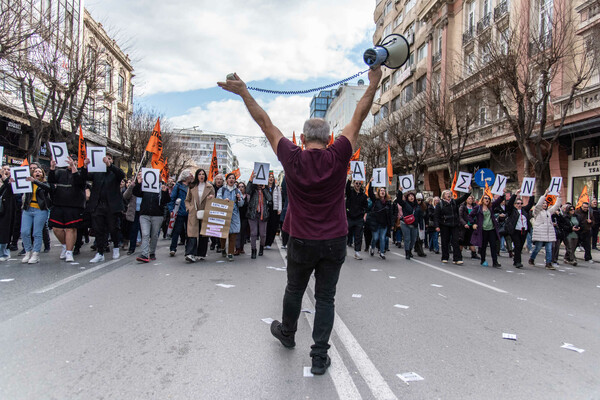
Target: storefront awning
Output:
[(474, 159), (13, 117), (500, 141)]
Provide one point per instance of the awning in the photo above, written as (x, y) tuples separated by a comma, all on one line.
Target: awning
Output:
[(501, 141), (15, 118), (438, 167), (474, 159)]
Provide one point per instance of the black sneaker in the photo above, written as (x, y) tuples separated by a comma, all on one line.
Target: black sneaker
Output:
[(22, 252), (286, 340), (320, 364), (212, 246), (143, 259), (153, 257)]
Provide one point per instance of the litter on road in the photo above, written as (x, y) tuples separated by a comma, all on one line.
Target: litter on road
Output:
[(436, 285), (267, 320), (400, 306), (7, 280), (509, 336), (410, 377), (357, 296), (307, 373), (569, 346), (224, 285)]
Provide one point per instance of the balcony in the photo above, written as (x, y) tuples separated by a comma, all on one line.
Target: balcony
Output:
[(484, 23), (501, 10), (543, 43), (468, 36), (437, 57)]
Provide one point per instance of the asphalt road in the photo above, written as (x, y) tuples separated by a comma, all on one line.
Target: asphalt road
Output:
[(168, 330)]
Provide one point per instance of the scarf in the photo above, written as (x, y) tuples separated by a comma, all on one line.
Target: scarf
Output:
[(260, 206)]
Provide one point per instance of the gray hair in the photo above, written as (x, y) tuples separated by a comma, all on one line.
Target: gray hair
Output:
[(185, 174), (316, 130)]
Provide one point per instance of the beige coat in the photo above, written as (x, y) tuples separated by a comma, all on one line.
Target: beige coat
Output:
[(194, 203)]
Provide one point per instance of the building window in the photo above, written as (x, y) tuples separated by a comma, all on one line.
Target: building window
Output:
[(407, 93), (121, 88), (410, 4), (388, 8), (586, 148), (545, 18), (482, 116), (440, 36), (398, 19), (107, 122), (485, 8), (107, 77), (385, 86), (470, 16), (388, 30), (421, 84), (422, 53), (130, 94), (396, 103), (469, 63), (48, 10), (485, 53)]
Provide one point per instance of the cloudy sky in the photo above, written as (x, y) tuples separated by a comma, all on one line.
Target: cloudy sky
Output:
[(181, 48)]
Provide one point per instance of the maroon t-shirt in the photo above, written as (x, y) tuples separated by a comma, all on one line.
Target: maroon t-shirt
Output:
[(316, 182)]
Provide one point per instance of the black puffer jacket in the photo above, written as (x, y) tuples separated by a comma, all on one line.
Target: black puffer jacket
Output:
[(381, 211), (356, 202), (68, 189), (42, 196), (153, 204), (513, 215), (446, 212)]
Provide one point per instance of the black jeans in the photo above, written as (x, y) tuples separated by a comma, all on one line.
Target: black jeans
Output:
[(325, 258), (179, 226), (134, 229), (491, 238), (585, 239), (272, 225), (355, 231), (519, 238), (104, 222), (197, 246), (595, 236), (449, 236)]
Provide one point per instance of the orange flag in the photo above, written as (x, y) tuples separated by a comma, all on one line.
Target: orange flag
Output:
[(294, 138), (158, 161), (165, 172), (551, 199), (583, 197), (155, 143), (454, 192), (488, 191), (331, 140), (82, 154), (214, 164), (354, 157), (390, 169), (24, 163), (237, 173)]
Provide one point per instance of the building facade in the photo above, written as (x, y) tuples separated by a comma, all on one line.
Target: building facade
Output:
[(340, 111), (199, 145), (450, 45), (320, 103)]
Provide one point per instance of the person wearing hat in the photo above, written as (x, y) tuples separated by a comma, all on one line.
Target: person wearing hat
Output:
[(543, 229)]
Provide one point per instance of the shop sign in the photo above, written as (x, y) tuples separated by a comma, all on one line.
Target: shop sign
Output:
[(593, 166), (589, 166), (13, 127)]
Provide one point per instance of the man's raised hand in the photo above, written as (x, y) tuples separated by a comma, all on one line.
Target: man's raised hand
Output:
[(236, 85)]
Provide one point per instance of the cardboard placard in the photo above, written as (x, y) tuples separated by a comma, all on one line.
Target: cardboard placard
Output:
[(555, 186), (527, 187), (379, 177), (21, 184), (358, 171), (151, 180), (217, 218), (407, 182), (96, 154), (261, 173), (463, 181), (499, 185), (60, 153)]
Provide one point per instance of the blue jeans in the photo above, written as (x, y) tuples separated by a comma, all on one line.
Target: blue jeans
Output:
[(529, 242), (434, 244), (178, 227), (538, 247), (410, 233), (379, 236), (325, 258), (36, 219), (4, 252)]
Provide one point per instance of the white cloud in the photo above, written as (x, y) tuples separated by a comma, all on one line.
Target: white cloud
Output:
[(288, 113), (188, 44)]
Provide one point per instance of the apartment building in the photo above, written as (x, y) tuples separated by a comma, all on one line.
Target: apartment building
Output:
[(199, 145)]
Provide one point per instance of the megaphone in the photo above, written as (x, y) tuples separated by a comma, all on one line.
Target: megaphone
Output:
[(393, 52)]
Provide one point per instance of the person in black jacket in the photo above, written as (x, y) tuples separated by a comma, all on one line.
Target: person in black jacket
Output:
[(152, 211), (446, 222), (596, 226), (105, 205), (382, 218), (68, 199), (35, 214), (7, 212), (517, 224), (412, 216), (356, 212)]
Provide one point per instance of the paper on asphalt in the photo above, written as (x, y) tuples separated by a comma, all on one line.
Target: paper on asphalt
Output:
[(410, 377), (401, 306), (267, 320), (223, 285), (509, 336), (569, 346)]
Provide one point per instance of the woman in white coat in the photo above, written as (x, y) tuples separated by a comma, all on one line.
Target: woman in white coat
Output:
[(543, 229)]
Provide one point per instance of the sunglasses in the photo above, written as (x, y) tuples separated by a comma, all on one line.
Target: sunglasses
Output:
[(518, 204)]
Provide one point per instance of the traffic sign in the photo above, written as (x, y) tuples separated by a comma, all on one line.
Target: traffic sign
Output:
[(484, 175)]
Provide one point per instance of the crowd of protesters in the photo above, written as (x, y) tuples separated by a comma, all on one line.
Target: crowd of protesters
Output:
[(76, 204)]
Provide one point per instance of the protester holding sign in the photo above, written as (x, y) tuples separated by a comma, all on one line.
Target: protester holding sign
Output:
[(258, 214), (356, 212), (231, 193), (466, 226), (517, 224), (485, 228), (217, 183), (35, 214), (412, 216), (446, 222), (195, 201), (586, 222), (105, 205), (382, 219), (152, 210), (68, 198), (7, 212), (543, 229)]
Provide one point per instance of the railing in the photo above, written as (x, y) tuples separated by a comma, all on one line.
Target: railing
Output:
[(437, 57), (484, 23), (501, 10), (468, 36)]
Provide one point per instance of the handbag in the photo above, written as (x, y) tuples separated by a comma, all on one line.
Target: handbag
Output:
[(200, 214), (409, 219)]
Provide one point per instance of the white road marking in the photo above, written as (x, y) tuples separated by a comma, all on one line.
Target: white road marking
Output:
[(342, 379), (76, 276), (485, 285)]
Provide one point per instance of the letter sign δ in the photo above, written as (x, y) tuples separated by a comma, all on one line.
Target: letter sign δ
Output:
[(261, 173)]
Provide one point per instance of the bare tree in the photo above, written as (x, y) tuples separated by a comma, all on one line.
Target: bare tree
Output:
[(17, 26), (533, 72)]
